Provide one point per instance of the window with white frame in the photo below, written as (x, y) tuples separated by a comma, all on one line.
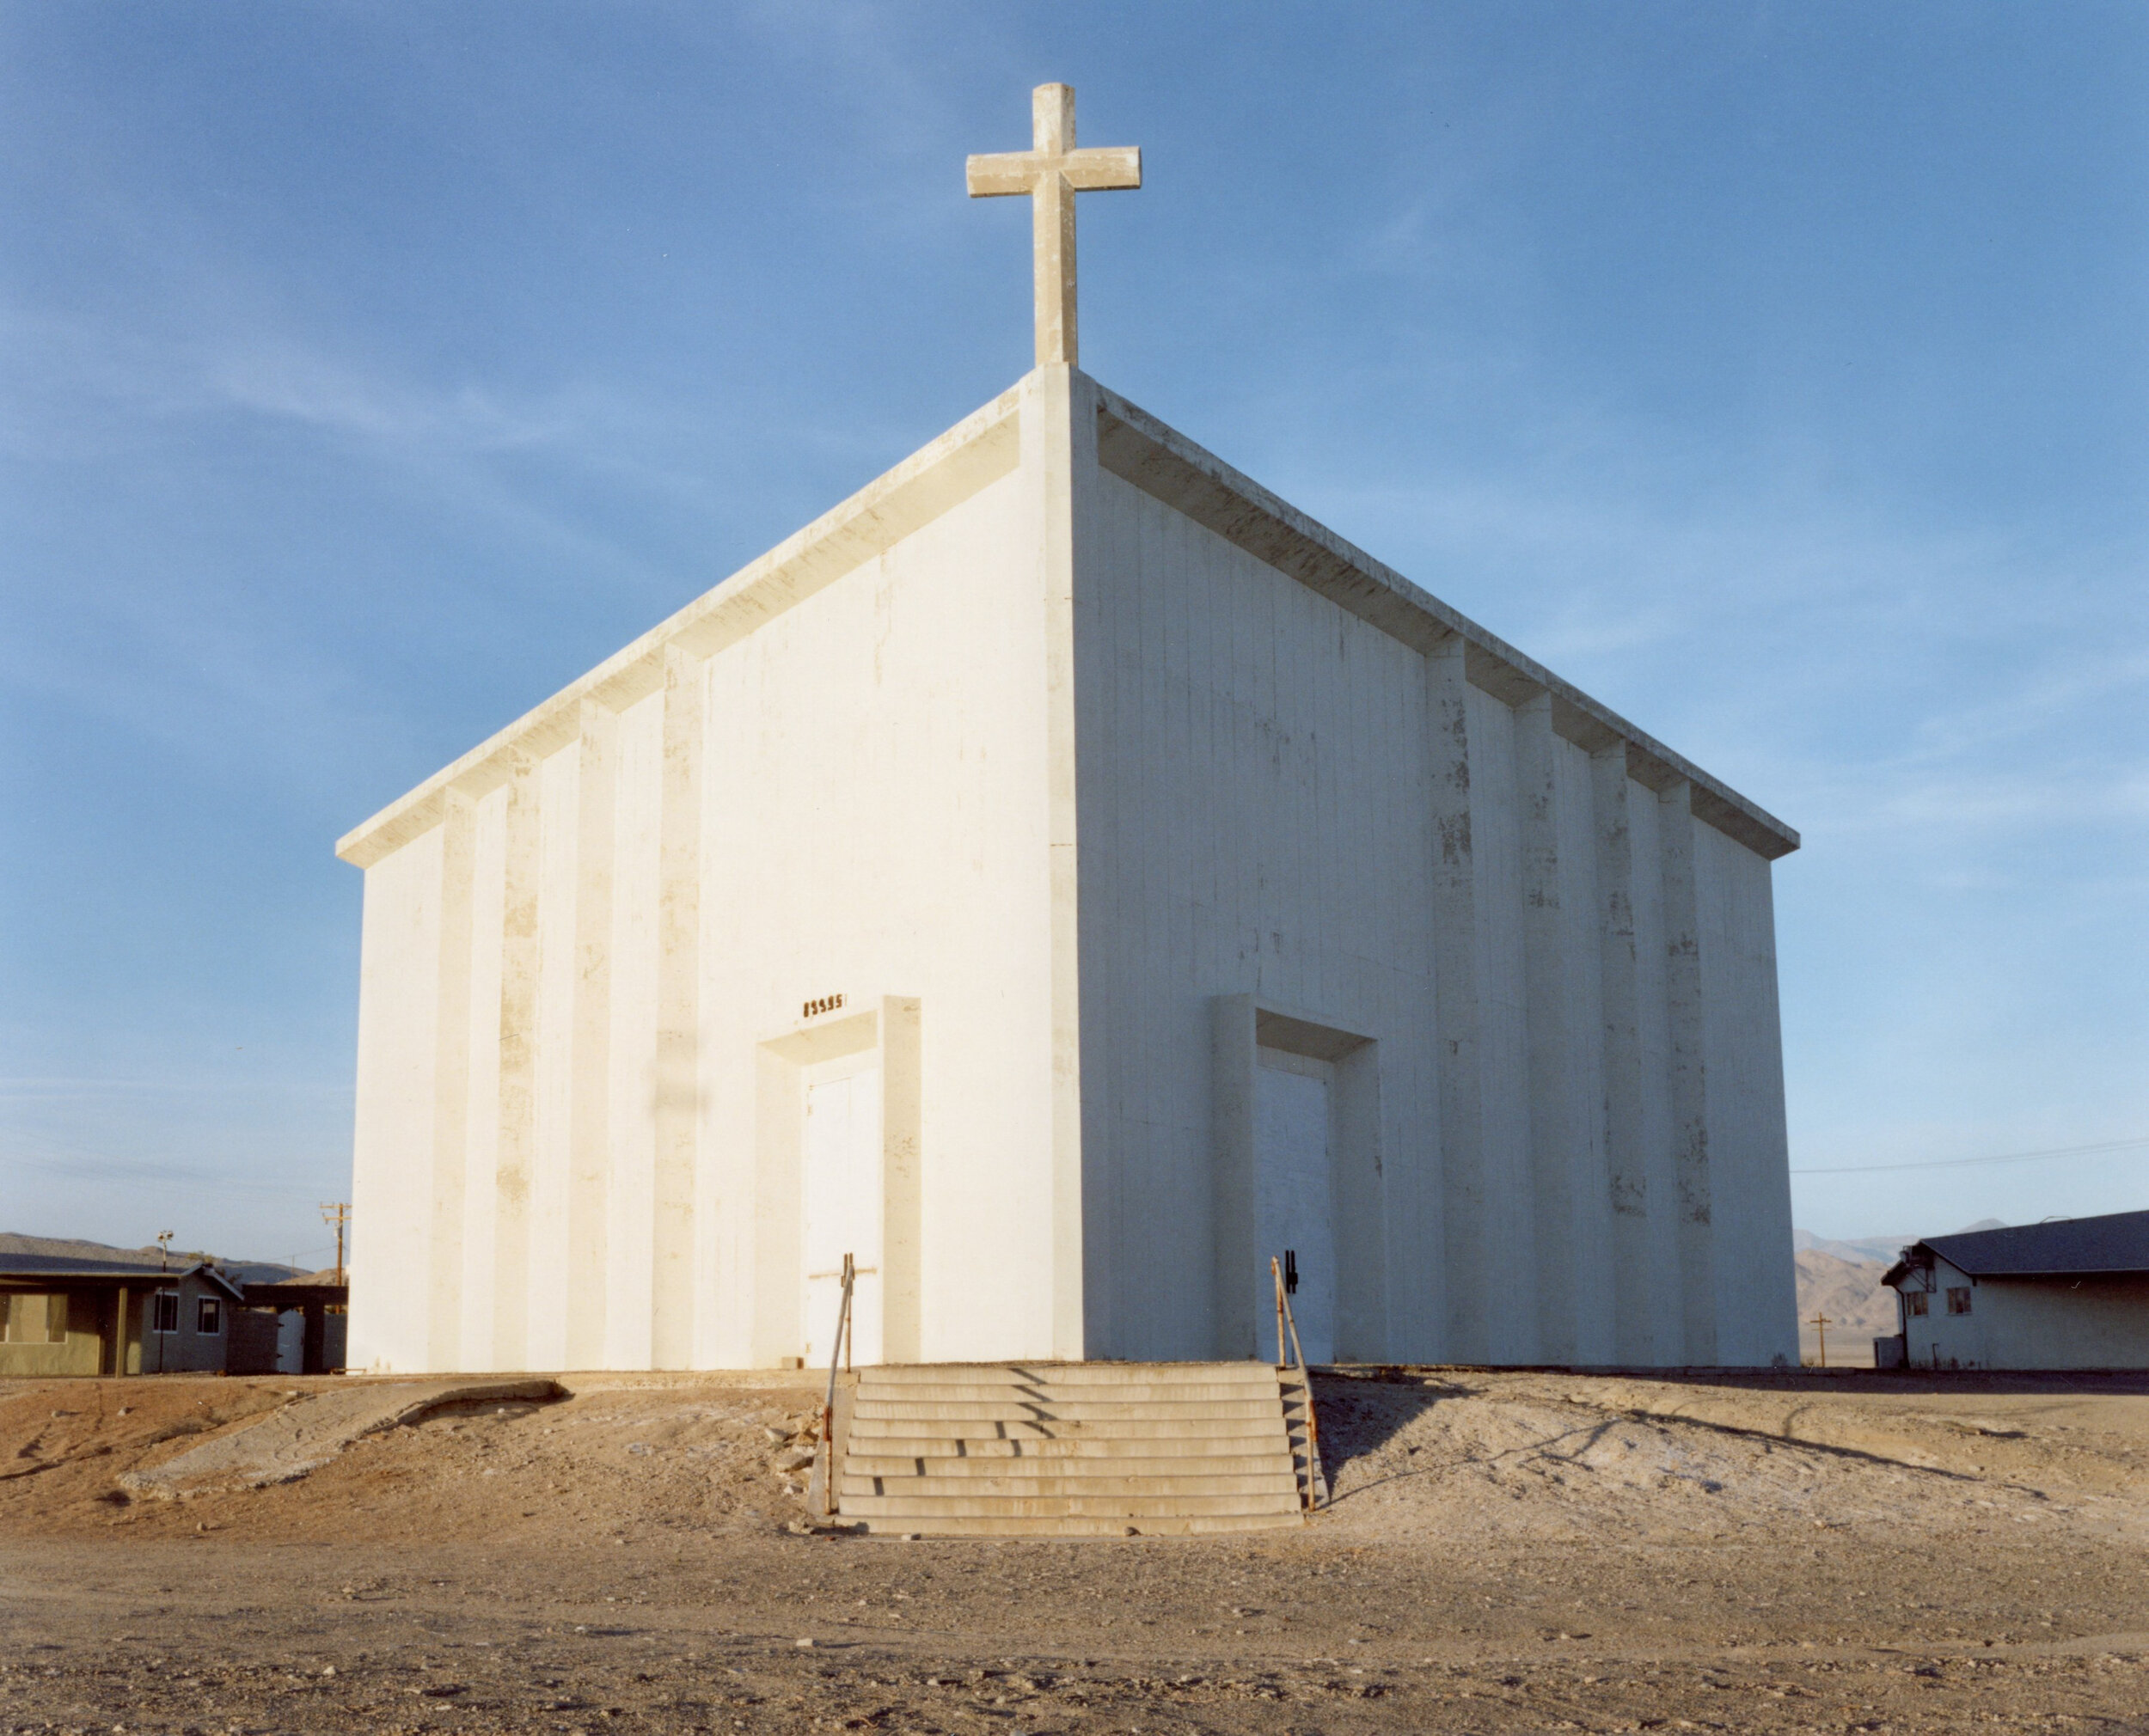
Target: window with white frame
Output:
[(1917, 1302), (1959, 1298), (164, 1312), (208, 1316)]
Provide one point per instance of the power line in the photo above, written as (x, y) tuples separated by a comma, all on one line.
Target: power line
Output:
[(2008, 1157)]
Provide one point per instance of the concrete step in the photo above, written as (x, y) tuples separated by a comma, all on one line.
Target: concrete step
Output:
[(974, 1488), (1070, 1449), (1089, 1374), (1081, 1410), (1132, 1506), (907, 1446), (871, 1391), (1027, 1432), (1071, 1526), (1061, 1465)]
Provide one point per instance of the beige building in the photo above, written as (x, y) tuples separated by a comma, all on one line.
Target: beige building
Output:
[(1063, 876), (2073, 1293), (61, 1316)]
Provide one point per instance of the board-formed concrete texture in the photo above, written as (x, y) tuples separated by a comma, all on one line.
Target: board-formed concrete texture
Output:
[(1048, 788), (1116, 1449)]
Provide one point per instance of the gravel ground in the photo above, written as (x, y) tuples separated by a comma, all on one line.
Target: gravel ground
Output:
[(1506, 1552)]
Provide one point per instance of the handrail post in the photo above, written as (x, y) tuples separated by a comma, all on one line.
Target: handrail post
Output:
[(1285, 1317), (850, 1277), (836, 1356), (1312, 1423)]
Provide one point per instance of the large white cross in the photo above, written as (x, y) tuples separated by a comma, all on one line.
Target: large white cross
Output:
[(1052, 172)]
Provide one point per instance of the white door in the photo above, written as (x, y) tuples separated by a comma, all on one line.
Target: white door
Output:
[(291, 1342), (1293, 1204), (842, 1187)]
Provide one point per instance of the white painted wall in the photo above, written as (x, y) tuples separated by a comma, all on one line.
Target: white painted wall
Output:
[(1014, 739), (872, 795), (1756, 1294), (1235, 732), (1256, 819), (875, 800), (2024, 1323), (391, 1167)]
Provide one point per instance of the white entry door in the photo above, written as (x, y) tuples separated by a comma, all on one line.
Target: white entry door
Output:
[(1293, 1199), (841, 1188)]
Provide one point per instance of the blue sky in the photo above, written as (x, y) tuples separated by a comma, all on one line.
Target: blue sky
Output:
[(1775, 372)]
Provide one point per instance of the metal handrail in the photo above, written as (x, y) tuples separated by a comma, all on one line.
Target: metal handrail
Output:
[(1286, 1321), (839, 1355)]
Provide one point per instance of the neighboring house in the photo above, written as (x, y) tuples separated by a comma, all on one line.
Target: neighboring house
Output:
[(66, 1316), (2073, 1293), (312, 1313), (107, 1317)]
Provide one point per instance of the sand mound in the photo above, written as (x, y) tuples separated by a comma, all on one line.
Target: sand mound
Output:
[(305, 1434)]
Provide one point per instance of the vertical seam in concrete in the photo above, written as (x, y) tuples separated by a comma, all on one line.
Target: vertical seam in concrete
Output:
[(590, 1159), (1060, 454), (679, 1095), (518, 1065), (451, 1083), (901, 1248), (1455, 988), (1234, 1287), (1626, 1173), (1546, 985), (1689, 1076)]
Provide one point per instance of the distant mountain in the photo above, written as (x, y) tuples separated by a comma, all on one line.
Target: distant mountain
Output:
[(1850, 1293), (1878, 1250), (68, 1248), (1842, 1279)]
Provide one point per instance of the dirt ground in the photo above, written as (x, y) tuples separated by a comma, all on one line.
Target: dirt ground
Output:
[(1506, 1552)]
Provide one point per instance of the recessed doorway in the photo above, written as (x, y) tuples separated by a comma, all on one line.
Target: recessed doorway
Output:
[(1294, 1191), (842, 1205)]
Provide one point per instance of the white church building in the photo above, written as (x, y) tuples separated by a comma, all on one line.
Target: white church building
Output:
[(1062, 877)]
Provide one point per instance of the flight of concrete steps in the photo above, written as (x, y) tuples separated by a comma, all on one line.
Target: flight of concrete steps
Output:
[(1074, 1449)]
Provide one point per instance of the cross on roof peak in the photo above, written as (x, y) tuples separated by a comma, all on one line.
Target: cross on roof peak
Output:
[(1052, 172)]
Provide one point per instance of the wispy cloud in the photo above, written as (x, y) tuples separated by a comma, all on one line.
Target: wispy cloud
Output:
[(75, 383), (283, 382)]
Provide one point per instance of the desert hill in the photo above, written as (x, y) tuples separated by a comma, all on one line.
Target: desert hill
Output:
[(73, 1248)]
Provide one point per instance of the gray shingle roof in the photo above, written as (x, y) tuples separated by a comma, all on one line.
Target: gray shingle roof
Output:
[(62, 1268), (2118, 1242), (67, 1266)]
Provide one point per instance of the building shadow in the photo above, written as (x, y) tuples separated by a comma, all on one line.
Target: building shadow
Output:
[(1363, 1406)]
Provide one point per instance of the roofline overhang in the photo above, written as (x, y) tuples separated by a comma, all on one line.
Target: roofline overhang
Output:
[(1136, 447), (1139, 448)]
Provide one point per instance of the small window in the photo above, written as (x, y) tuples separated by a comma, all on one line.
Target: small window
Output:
[(33, 1319), (1917, 1302), (208, 1316), (1959, 1300), (164, 1312)]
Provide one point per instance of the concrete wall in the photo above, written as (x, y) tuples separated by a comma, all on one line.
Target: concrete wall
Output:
[(580, 970), (1567, 975), (1036, 778), (53, 1332), (1237, 737), (2041, 1323)]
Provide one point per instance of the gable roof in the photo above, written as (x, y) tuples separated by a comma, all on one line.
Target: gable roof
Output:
[(2117, 1241), (63, 1269), (72, 1266), (980, 449)]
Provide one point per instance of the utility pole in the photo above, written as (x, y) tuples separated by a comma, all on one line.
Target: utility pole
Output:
[(1823, 1323), (336, 1212)]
